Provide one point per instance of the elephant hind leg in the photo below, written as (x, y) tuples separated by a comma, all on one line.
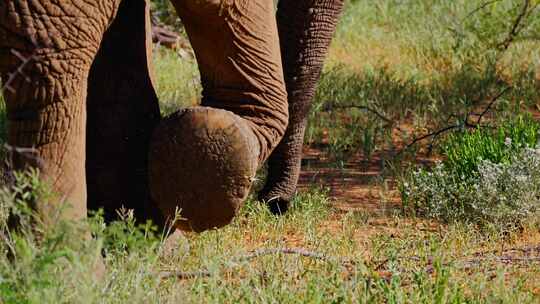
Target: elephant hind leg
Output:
[(122, 112)]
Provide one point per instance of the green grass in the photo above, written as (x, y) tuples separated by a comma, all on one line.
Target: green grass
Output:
[(177, 80), (422, 65), (396, 260), (466, 150), (488, 177)]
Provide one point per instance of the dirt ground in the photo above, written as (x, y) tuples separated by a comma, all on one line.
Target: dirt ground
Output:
[(356, 186)]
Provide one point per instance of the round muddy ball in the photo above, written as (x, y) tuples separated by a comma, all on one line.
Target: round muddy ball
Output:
[(202, 161)]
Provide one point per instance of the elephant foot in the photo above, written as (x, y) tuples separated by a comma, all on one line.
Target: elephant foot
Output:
[(202, 162)]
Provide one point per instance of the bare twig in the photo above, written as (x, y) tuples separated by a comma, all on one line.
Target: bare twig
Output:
[(432, 134), (516, 26), (493, 100), (480, 7), (29, 153), (165, 37), (18, 72), (475, 259), (465, 123), (184, 275), (391, 122), (464, 263), (298, 251)]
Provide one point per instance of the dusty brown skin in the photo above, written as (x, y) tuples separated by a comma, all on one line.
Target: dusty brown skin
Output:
[(245, 78), (306, 28), (227, 153), (47, 108), (102, 139)]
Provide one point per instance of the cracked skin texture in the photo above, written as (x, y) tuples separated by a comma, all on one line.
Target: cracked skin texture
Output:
[(226, 157), (103, 136), (46, 107), (306, 28)]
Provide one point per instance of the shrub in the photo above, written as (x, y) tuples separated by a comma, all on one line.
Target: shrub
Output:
[(489, 178), (464, 151)]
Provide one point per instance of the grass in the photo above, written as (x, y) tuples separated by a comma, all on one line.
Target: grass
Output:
[(419, 64), (397, 260), (464, 151), (177, 80), (488, 177), (422, 64)]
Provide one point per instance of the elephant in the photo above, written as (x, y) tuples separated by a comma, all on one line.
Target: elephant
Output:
[(81, 104)]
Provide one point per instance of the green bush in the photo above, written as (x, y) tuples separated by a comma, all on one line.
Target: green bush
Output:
[(465, 151), (489, 177)]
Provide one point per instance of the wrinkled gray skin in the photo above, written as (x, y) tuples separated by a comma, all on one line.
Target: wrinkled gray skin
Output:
[(306, 29), (84, 101)]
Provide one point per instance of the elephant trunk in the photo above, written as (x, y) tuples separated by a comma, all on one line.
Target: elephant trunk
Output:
[(306, 28)]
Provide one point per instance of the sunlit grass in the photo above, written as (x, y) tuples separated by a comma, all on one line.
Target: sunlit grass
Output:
[(177, 80), (398, 57), (419, 63), (369, 260)]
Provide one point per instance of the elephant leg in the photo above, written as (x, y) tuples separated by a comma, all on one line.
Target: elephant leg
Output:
[(46, 49), (122, 113), (306, 28), (244, 113)]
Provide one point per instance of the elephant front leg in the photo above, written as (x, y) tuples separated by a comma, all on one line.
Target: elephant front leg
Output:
[(306, 28), (203, 160), (45, 53)]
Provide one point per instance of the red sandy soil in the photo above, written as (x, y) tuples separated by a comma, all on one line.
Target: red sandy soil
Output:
[(355, 186)]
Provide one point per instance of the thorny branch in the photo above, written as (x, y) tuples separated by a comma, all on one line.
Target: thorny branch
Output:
[(465, 123)]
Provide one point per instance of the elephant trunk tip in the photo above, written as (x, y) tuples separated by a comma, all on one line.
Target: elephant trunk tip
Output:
[(278, 204)]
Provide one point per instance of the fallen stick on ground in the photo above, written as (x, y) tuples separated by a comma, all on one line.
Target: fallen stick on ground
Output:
[(480, 257), (256, 254)]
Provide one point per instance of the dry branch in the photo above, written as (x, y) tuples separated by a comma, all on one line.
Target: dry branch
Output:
[(165, 37), (368, 109), (182, 275), (298, 251), (465, 123), (516, 26), (463, 263)]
